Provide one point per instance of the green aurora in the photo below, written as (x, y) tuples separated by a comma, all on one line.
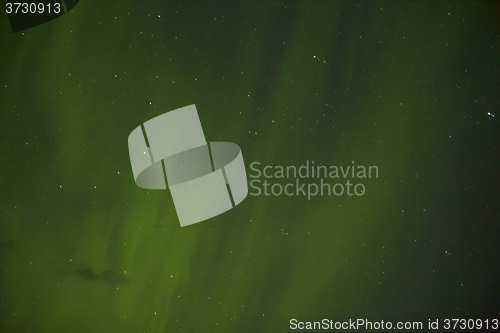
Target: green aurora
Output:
[(412, 88)]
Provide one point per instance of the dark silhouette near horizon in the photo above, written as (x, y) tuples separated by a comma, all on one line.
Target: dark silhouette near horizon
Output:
[(7, 244), (108, 276)]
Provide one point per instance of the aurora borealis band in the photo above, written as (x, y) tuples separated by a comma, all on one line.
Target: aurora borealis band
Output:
[(411, 88)]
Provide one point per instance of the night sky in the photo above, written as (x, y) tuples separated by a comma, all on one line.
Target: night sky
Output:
[(411, 88)]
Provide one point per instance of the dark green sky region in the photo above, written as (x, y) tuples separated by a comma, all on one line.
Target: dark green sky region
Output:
[(411, 88)]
